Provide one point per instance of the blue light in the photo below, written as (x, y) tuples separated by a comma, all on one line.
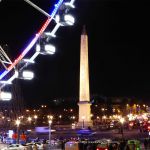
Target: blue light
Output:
[(56, 8)]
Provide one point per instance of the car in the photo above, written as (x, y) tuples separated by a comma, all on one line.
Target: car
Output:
[(102, 146), (38, 144), (71, 145), (15, 147), (134, 144)]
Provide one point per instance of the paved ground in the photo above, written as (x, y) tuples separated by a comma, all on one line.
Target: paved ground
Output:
[(113, 134), (2, 145)]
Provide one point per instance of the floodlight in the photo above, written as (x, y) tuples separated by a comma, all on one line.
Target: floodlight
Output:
[(5, 96)]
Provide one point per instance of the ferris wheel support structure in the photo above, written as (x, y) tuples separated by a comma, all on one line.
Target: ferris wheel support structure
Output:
[(34, 40)]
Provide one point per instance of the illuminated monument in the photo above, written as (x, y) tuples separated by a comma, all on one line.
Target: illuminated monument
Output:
[(84, 92)]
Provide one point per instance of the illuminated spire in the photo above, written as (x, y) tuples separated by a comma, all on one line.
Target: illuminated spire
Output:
[(84, 30)]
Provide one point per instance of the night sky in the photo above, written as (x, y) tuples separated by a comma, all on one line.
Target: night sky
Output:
[(118, 33)]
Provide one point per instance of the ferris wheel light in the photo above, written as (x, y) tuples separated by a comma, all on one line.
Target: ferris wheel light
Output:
[(5, 96), (46, 49), (50, 49), (38, 48), (28, 75), (57, 18), (69, 19), (65, 19), (34, 40)]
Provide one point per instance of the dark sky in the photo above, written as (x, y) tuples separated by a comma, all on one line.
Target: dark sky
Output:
[(118, 33)]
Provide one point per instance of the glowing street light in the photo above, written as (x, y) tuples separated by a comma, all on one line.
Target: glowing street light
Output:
[(29, 119), (83, 118), (35, 116), (122, 120), (50, 122), (17, 123)]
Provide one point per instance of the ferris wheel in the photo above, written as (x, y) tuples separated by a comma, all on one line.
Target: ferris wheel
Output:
[(62, 17)]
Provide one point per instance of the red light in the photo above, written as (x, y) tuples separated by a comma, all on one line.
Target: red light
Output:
[(131, 124)]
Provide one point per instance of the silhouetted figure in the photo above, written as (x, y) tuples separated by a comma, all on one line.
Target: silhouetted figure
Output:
[(145, 143)]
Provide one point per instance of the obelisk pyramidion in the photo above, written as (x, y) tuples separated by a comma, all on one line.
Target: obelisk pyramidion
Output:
[(84, 91)]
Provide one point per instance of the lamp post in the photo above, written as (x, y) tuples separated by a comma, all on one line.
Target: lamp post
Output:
[(29, 120), (122, 122), (83, 117), (17, 123), (50, 122)]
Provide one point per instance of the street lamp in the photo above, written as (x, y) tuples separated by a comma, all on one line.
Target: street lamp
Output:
[(83, 117), (17, 123), (29, 120), (50, 122), (35, 117), (122, 122)]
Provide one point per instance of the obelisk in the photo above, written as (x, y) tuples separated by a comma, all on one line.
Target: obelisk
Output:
[(84, 91)]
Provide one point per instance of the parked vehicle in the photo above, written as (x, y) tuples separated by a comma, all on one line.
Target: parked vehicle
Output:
[(134, 145), (15, 147), (72, 145), (102, 146)]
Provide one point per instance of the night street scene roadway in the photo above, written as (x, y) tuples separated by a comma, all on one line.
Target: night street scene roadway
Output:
[(74, 75)]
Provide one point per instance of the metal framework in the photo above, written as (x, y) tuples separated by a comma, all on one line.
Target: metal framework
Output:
[(4, 59), (10, 65)]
